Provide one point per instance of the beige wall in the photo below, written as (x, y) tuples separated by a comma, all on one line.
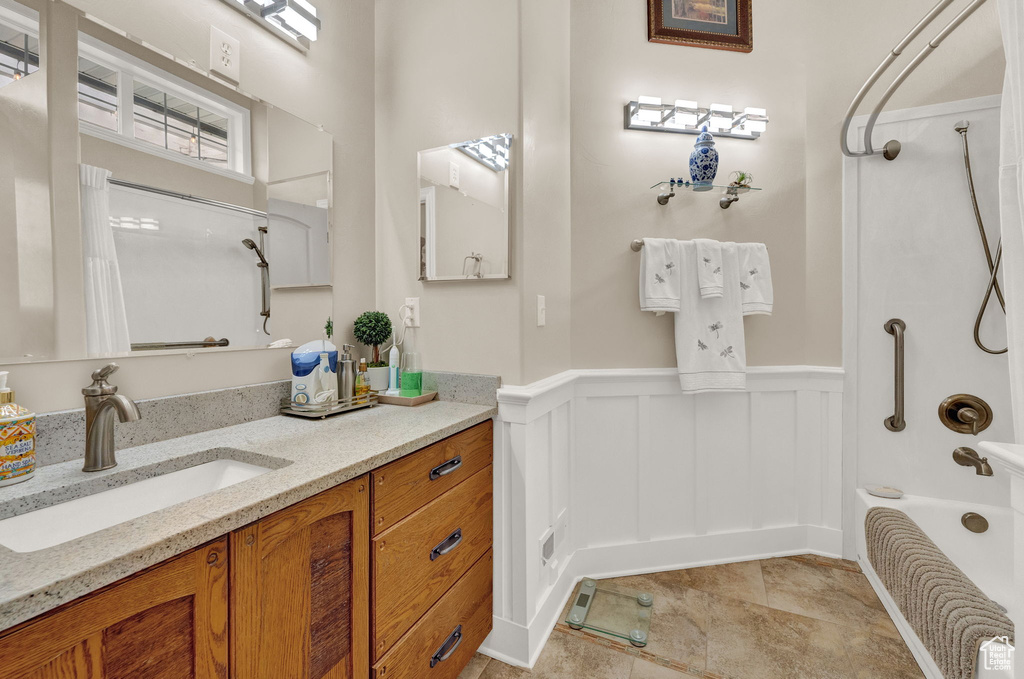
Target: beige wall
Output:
[(447, 71), (806, 65), (453, 70), (332, 86)]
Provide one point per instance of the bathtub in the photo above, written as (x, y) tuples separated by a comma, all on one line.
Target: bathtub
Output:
[(986, 558)]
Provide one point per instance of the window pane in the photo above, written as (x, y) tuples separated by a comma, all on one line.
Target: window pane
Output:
[(19, 54), (178, 125), (149, 114), (97, 94), (213, 138)]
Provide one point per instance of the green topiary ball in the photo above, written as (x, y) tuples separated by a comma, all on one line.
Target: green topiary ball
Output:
[(373, 328)]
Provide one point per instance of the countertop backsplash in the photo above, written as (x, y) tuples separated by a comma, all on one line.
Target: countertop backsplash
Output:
[(60, 436)]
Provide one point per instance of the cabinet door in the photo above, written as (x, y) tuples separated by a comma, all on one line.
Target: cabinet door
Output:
[(300, 589), (168, 622)]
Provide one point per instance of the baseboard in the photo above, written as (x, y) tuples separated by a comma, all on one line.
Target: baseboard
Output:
[(520, 645)]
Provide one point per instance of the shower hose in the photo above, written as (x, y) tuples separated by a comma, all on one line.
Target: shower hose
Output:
[(993, 264)]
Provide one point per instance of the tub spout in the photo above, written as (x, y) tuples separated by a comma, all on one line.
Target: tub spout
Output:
[(968, 457)]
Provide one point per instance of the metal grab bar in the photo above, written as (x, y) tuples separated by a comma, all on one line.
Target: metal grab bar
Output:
[(208, 342), (897, 328), (892, 148)]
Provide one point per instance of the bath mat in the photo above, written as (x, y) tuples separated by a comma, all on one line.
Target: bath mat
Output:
[(950, 615)]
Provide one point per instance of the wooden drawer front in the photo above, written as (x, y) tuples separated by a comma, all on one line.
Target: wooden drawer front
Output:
[(405, 485), (406, 581), (468, 607)]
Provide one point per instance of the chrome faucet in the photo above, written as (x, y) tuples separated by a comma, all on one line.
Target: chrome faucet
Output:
[(101, 402), (968, 457)]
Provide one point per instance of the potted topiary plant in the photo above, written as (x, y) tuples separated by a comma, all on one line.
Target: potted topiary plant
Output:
[(373, 328)]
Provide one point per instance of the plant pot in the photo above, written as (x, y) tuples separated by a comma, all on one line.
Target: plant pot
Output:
[(378, 378)]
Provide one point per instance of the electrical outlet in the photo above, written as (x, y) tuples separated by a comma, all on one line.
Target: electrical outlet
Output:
[(225, 55), (412, 317), (542, 311), (453, 174)]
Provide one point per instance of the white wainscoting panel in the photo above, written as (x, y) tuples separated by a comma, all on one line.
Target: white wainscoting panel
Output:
[(633, 476)]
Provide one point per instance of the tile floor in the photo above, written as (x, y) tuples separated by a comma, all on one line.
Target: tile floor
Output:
[(801, 617)]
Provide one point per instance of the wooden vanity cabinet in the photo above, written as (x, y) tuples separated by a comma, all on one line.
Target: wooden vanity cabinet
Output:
[(167, 622), (300, 589), (293, 601)]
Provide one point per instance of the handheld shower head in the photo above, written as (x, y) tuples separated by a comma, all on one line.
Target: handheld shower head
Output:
[(249, 243)]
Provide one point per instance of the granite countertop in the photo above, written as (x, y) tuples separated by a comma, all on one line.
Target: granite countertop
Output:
[(319, 454)]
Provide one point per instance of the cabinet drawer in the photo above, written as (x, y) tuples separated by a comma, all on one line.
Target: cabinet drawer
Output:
[(405, 485), (419, 559), (467, 608)]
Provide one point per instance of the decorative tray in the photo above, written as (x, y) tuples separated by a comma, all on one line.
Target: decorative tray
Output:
[(407, 400), (328, 408)]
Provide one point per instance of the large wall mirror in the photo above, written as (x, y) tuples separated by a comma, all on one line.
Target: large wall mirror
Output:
[(180, 214), (464, 216)]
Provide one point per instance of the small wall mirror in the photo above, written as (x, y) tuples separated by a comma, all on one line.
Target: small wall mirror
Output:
[(464, 217)]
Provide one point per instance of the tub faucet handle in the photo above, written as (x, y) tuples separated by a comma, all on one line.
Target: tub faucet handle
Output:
[(969, 416)]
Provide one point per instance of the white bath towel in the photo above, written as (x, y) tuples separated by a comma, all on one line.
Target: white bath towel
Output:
[(709, 267), (755, 279), (659, 275), (710, 348)]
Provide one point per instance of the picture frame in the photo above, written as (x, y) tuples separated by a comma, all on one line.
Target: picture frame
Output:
[(712, 24)]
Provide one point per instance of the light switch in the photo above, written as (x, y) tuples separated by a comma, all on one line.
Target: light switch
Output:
[(453, 174), (225, 55)]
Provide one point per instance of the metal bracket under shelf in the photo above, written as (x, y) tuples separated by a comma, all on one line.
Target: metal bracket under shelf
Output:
[(730, 195)]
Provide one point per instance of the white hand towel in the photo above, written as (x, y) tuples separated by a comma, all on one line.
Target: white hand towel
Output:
[(659, 275), (710, 349), (756, 279), (709, 267)]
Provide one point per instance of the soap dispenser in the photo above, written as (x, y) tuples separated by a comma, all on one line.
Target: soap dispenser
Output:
[(17, 438), (346, 373)]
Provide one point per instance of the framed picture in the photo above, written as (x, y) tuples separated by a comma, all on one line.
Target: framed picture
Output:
[(716, 24)]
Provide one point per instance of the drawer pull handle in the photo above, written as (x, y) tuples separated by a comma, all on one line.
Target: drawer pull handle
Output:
[(446, 545), (445, 468), (448, 647)]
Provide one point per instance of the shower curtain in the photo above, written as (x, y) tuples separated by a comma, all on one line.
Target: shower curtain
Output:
[(106, 321), (1011, 199)]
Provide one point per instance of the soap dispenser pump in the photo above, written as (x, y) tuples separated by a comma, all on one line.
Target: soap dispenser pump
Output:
[(346, 373)]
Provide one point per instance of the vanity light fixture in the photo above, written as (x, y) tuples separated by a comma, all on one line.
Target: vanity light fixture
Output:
[(492, 152), (687, 117), (295, 21)]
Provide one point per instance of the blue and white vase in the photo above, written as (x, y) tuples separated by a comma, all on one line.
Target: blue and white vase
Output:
[(703, 161)]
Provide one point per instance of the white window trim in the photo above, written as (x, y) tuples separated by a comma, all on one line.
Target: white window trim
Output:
[(25, 19), (129, 69)]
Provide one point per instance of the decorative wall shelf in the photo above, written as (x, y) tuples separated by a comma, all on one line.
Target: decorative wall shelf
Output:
[(730, 195)]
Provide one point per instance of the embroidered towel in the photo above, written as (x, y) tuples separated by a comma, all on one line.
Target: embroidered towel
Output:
[(709, 267), (659, 275), (755, 279), (710, 348)]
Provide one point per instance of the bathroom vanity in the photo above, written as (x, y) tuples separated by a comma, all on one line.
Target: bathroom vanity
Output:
[(387, 573)]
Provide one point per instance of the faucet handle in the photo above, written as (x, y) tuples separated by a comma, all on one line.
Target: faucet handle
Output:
[(100, 386)]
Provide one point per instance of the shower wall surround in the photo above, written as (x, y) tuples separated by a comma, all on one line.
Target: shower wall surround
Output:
[(915, 254), (630, 476)]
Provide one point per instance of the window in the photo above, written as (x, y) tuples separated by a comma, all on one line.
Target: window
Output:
[(128, 101), (19, 48)]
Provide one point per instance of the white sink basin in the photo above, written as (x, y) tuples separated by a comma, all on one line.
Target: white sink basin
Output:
[(60, 523)]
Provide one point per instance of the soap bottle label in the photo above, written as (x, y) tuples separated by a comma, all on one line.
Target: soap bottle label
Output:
[(17, 450)]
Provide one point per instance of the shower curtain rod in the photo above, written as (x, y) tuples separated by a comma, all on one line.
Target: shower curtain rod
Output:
[(892, 148), (185, 196)]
